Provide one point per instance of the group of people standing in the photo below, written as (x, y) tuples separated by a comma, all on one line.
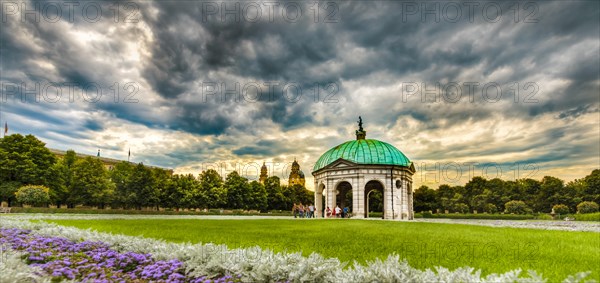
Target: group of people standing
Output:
[(303, 211), (337, 212), (308, 211)]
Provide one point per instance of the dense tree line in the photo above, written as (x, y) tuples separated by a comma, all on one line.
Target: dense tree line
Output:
[(24, 160), (523, 195), (71, 181)]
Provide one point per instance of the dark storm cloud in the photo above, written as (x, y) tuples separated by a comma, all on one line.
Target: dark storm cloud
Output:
[(287, 51), (263, 148), (253, 150), (93, 125), (398, 47), (371, 46), (218, 46), (39, 116), (576, 112), (205, 119)]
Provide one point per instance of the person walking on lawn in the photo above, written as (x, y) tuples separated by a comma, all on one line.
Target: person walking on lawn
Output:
[(295, 210), (301, 210)]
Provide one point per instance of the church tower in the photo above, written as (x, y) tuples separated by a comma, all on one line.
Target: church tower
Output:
[(263, 174), (296, 175)]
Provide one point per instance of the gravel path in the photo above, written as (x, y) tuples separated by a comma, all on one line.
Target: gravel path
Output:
[(587, 226)]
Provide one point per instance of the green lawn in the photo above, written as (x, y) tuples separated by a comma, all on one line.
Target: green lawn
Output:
[(555, 254)]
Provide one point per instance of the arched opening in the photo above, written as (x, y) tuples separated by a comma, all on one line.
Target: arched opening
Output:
[(374, 198), (343, 198)]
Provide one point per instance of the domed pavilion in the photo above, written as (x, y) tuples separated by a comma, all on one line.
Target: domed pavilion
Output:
[(360, 167)]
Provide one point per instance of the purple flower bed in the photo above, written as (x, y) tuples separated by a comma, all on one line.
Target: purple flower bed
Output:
[(94, 261)]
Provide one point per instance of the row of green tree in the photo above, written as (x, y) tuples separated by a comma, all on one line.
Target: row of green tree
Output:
[(491, 196), (71, 181), (24, 160)]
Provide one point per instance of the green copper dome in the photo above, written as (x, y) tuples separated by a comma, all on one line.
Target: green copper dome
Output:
[(364, 151)]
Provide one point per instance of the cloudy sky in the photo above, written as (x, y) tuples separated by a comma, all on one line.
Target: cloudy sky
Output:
[(497, 89)]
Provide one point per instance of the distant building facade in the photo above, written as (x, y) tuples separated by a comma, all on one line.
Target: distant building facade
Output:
[(296, 175), (263, 174), (109, 163)]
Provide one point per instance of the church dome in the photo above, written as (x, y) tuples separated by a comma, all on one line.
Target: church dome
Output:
[(364, 151)]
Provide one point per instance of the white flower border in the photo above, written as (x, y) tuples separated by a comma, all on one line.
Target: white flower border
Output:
[(256, 264)]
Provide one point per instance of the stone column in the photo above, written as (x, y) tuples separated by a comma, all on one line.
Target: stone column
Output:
[(326, 200), (330, 194), (359, 197), (355, 199), (318, 203), (402, 198), (405, 196), (395, 198), (388, 209), (411, 211)]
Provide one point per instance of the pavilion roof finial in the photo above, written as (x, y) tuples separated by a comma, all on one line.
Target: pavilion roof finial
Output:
[(360, 133), (360, 128)]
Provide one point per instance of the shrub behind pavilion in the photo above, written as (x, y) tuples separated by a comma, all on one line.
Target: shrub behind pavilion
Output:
[(71, 181)]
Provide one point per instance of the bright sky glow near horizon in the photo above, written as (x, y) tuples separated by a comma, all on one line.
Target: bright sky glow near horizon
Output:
[(498, 89)]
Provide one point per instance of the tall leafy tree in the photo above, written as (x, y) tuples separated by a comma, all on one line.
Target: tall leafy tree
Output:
[(496, 189), (474, 187), (258, 196), (551, 193), (91, 184), (297, 194), (444, 195), (160, 179), (275, 197), (529, 189), (8, 190), (194, 195), (181, 192), (212, 186), (425, 199), (577, 187), (238, 193), (63, 171), (69, 158), (24, 160), (458, 202), (479, 202), (512, 191), (120, 175), (592, 191), (141, 189), (60, 184)]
